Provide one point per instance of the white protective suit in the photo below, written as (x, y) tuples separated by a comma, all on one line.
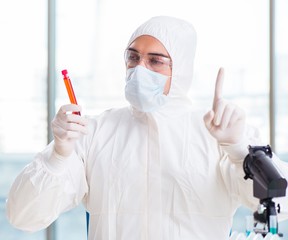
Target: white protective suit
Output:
[(142, 176)]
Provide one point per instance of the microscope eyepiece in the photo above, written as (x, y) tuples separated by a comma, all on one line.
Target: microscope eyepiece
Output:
[(267, 180)]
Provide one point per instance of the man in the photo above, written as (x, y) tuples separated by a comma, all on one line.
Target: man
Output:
[(153, 170)]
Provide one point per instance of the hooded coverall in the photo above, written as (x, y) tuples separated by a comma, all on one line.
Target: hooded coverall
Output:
[(143, 176)]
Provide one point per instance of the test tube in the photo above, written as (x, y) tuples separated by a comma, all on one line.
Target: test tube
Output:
[(249, 224), (69, 89), (241, 236), (268, 236), (273, 224)]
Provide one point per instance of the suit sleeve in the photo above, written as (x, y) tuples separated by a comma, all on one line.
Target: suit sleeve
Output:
[(231, 166), (46, 187)]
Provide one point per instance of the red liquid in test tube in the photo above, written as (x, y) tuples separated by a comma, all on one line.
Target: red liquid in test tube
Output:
[(69, 89)]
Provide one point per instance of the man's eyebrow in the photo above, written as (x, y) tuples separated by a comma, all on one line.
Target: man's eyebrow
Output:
[(153, 54)]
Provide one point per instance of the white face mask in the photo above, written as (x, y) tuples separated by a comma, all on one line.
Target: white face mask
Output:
[(144, 89)]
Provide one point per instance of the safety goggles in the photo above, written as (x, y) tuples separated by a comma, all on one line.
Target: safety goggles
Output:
[(153, 61)]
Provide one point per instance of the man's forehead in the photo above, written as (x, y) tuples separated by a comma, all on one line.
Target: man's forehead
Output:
[(148, 45)]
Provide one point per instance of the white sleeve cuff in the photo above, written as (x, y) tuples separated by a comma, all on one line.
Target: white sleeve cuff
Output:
[(237, 152), (56, 164)]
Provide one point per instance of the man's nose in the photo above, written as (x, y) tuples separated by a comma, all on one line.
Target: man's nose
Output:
[(142, 63)]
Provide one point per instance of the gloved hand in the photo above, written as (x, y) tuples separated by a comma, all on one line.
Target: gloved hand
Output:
[(226, 121), (67, 128)]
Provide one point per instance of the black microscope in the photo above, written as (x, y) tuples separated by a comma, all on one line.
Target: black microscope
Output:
[(267, 184)]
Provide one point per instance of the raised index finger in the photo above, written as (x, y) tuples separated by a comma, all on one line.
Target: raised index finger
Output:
[(218, 87)]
